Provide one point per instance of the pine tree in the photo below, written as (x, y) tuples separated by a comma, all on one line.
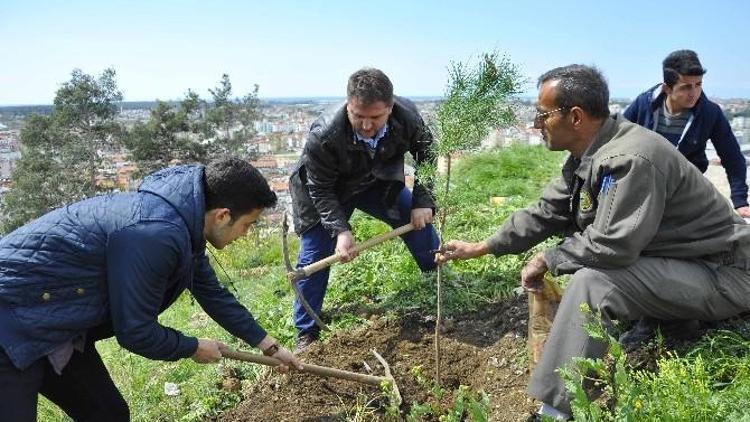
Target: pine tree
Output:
[(478, 99), (171, 135), (63, 152), (229, 122)]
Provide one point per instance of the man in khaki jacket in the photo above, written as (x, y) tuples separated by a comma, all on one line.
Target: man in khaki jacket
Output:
[(634, 237)]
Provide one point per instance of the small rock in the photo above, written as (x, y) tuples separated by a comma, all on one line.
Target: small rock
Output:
[(171, 389)]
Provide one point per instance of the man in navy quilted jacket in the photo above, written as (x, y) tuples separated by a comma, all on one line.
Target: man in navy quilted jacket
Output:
[(679, 110), (110, 265)]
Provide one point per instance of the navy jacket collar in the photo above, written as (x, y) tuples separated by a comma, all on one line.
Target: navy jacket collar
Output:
[(182, 188), (658, 95)]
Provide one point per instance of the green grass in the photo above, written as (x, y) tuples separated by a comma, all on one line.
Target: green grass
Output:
[(711, 382), (384, 279), (708, 382)]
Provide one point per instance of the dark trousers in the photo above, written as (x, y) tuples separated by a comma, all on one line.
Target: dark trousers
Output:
[(662, 288), (316, 244), (84, 391)]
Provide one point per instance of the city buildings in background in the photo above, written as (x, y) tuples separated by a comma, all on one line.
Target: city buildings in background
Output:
[(281, 133)]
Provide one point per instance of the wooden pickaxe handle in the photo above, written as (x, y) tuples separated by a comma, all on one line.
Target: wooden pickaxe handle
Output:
[(321, 371), (307, 270)]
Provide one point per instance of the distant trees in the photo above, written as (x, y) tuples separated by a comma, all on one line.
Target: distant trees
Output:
[(195, 130), (737, 113), (229, 123), (62, 151), (171, 134)]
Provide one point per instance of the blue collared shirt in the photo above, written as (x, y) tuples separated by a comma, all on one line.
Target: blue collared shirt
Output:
[(372, 143)]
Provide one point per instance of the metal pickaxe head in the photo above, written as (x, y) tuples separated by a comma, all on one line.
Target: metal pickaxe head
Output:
[(295, 275)]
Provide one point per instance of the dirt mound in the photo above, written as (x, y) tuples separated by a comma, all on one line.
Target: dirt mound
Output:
[(485, 351)]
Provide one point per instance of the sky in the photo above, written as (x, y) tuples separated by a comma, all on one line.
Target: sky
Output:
[(162, 48)]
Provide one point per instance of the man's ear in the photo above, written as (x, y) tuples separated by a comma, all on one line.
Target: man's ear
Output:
[(223, 214), (576, 116), (666, 88), (219, 214)]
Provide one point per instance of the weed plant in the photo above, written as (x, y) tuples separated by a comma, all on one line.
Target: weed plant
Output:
[(467, 405), (709, 382)]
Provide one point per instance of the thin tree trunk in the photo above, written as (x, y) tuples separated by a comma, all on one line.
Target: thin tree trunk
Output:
[(439, 278)]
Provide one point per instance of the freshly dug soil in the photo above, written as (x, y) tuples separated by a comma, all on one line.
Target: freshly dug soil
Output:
[(485, 350)]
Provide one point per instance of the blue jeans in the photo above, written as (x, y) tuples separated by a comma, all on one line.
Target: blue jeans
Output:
[(316, 244)]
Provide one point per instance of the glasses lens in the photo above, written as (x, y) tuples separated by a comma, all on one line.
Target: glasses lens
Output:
[(539, 118)]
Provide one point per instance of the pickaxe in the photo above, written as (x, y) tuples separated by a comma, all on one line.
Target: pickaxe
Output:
[(307, 270), (295, 275), (293, 282), (323, 371)]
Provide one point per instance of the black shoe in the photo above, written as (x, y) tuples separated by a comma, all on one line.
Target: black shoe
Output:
[(534, 417), (641, 332), (681, 329), (645, 329), (303, 341)]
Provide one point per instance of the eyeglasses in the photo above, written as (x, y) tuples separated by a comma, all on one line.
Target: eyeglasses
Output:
[(540, 118)]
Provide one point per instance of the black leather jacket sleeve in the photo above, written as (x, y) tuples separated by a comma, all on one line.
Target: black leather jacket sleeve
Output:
[(322, 166)]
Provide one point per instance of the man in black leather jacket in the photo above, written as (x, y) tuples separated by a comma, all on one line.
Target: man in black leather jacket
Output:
[(354, 158)]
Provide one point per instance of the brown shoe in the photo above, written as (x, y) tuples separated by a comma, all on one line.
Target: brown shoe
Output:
[(303, 341)]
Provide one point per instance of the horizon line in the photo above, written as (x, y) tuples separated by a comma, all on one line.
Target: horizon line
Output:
[(335, 97)]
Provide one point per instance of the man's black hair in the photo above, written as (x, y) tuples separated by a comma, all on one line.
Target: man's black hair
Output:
[(235, 184), (580, 86), (368, 86), (681, 62)]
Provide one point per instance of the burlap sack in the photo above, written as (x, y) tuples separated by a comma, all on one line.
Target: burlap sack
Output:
[(542, 310)]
